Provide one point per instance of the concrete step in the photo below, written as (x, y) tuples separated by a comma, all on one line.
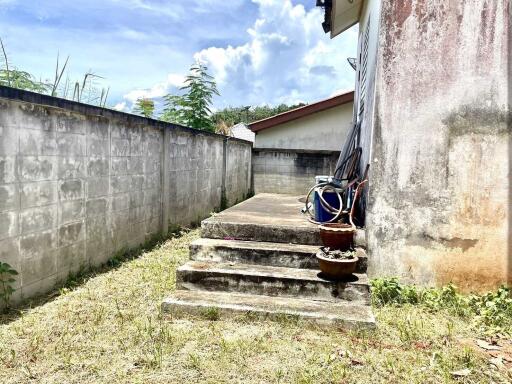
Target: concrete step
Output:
[(272, 233), (214, 305), (264, 217), (271, 281), (262, 253), (267, 217), (216, 228)]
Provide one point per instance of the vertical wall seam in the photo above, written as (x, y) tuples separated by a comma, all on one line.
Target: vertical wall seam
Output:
[(109, 219), (223, 198), (164, 181)]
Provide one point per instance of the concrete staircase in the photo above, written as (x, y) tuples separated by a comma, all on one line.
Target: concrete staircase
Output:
[(267, 273)]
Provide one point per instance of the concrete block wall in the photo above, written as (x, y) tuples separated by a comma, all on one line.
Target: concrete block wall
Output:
[(196, 172), (237, 178), (79, 183), (290, 171)]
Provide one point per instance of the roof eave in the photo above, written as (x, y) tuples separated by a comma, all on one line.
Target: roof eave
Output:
[(300, 112)]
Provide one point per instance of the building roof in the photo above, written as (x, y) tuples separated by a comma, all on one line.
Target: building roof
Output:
[(297, 113), (240, 131)]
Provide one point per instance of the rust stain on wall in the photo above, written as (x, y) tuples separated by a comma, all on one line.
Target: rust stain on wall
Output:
[(470, 264), (426, 240), (401, 9), (421, 36), (479, 268), (441, 138), (487, 23)]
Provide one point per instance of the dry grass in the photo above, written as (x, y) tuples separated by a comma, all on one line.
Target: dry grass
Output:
[(109, 330)]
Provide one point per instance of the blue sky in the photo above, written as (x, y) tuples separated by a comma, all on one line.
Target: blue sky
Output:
[(260, 51)]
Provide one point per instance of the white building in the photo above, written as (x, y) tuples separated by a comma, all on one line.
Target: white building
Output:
[(318, 126), (295, 146)]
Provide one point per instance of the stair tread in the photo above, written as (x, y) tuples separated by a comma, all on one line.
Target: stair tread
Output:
[(309, 275), (240, 302)]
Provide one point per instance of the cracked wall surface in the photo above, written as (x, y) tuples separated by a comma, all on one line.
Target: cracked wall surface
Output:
[(440, 185)]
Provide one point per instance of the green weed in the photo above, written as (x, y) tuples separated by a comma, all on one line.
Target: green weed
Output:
[(211, 313), (7, 281), (490, 313)]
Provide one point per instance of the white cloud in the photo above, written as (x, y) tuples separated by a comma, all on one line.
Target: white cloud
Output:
[(339, 91), (158, 90), (121, 107), (175, 80), (286, 58)]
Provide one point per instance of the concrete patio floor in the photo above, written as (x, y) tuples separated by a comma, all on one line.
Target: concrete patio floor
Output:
[(267, 217), (267, 209)]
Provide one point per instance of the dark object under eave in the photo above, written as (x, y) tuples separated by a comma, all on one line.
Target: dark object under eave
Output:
[(327, 5)]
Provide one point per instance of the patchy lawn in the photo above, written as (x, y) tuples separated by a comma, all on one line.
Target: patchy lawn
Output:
[(109, 330)]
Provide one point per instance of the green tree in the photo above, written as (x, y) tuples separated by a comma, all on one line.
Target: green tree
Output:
[(144, 107), (22, 80), (13, 77), (7, 281), (193, 108)]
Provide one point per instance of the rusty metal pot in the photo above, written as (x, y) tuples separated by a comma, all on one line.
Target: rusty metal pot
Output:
[(337, 236)]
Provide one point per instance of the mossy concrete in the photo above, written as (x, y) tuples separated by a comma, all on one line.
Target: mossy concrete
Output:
[(263, 253), (233, 305), (271, 281)]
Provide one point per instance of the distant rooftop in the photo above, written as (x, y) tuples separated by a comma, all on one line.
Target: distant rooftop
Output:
[(297, 113), (240, 131)]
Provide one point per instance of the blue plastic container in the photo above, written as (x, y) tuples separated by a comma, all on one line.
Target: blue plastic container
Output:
[(321, 215)]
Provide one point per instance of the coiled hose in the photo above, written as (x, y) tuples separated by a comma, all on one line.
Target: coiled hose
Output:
[(347, 171), (323, 187)]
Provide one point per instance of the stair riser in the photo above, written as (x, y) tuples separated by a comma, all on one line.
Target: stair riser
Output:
[(254, 256), (266, 233), (275, 258), (270, 233), (178, 309), (272, 286)]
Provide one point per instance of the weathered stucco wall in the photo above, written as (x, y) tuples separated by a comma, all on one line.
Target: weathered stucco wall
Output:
[(290, 172), (440, 187), (79, 183), (325, 131)]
